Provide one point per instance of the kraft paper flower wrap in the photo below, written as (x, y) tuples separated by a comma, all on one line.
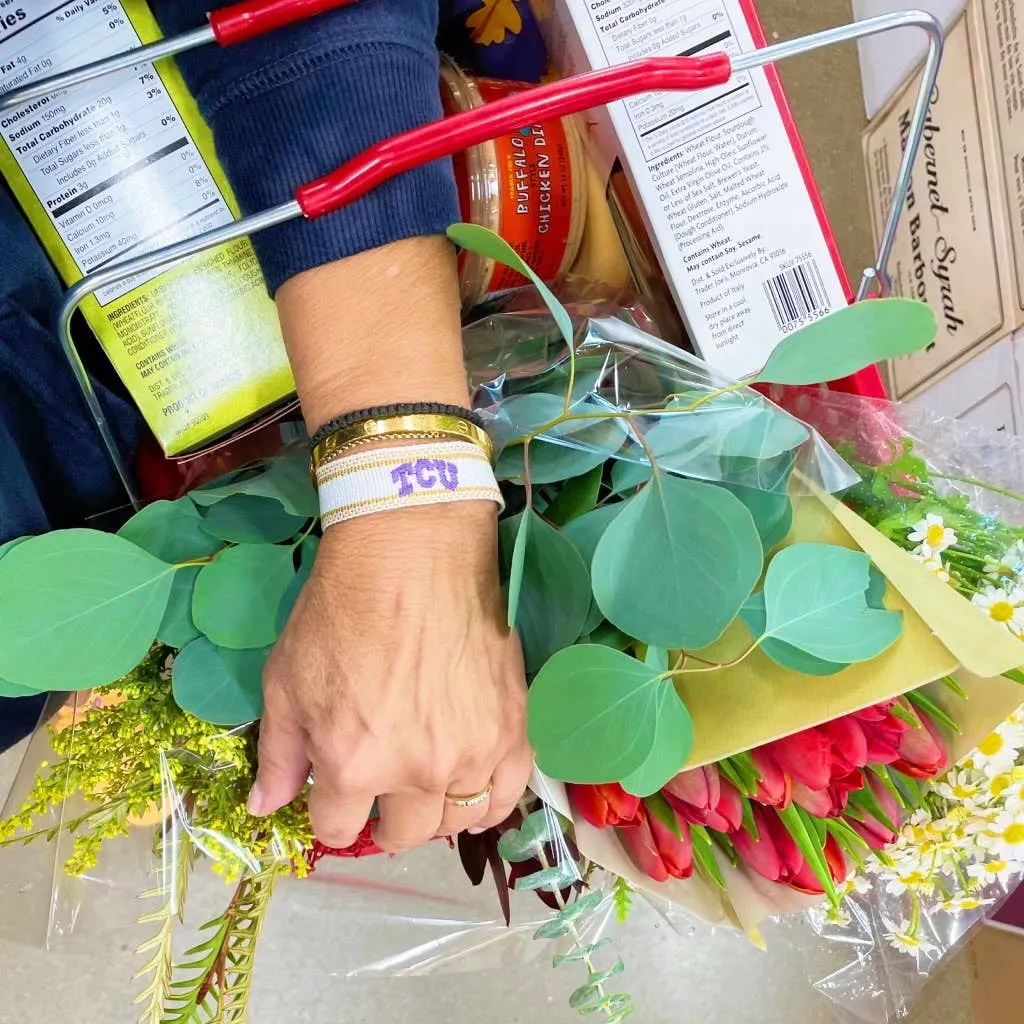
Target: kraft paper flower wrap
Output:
[(688, 589)]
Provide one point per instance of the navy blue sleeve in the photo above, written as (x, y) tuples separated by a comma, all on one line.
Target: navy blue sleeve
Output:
[(294, 105)]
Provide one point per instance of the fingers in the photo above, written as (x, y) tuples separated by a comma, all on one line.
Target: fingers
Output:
[(283, 762), (457, 819), (509, 784), (408, 820), (337, 820)]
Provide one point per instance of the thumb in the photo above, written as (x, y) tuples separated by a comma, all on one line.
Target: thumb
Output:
[(283, 765)]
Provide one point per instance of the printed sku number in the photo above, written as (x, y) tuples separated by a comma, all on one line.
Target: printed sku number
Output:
[(797, 296)]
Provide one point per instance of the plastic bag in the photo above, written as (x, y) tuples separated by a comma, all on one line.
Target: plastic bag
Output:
[(901, 920)]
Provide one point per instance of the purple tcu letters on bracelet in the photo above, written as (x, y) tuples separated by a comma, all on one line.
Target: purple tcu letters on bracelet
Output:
[(425, 474)]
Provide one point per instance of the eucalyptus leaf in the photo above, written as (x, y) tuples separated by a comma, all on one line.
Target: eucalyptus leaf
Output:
[(554, 595), (551, 879), (78, 609), (219, 686), (580, 954), (673, 741), (576, 498), (584, 534), (772, 512), (553, 929), (248, 519), (177, 628), (517, 565), (596, 715), (584, 994), (606, 635), (11, 690), (307, 552), (755, 617), (486, 243), (285, 480), (849, 340), (170, 530), (816, 600), (581, 907), (11, 545), (540, 827), (676, 565), (237, 596), (514, 847)]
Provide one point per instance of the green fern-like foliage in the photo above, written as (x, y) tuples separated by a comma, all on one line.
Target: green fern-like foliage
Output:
[(622, 895)]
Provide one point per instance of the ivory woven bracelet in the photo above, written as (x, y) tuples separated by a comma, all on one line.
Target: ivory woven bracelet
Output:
[(385, 479)]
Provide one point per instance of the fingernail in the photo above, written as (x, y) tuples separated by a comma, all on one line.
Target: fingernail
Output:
[(257, 803), (476, 831)]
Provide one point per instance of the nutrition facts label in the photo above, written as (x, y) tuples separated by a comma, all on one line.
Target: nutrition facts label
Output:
[(111, 161), (665, 121)]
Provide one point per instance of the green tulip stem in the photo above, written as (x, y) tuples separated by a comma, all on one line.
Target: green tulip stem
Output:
[(974, 482)]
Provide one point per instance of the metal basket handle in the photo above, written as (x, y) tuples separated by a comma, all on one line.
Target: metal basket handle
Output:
[(450, 135)]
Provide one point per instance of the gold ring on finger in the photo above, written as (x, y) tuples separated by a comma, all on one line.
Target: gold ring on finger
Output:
[(475, 800)]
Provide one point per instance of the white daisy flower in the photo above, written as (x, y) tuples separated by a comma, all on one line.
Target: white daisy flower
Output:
[(997, 753), (933, 563), (916, 880), (838, 916), (1003, 606), (961, 788), (932, 534), (993, 871), (907, 942), (962, 904), (1005, 838)]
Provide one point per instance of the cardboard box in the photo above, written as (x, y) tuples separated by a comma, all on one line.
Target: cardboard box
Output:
[(997, 982), (959, 246), (720, 176)]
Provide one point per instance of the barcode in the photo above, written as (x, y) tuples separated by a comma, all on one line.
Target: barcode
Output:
[(293, 432), (796, 294)]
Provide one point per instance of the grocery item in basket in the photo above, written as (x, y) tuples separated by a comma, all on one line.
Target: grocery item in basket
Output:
[(112, 168), (529, 186)]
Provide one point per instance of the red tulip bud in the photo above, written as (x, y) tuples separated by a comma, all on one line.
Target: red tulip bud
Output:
[(831, 801), (723, 809), (805, 756), (699, 788), (922, 752), (806, 881), (605, 805), (849, 745), (656, 850), (775, 788)]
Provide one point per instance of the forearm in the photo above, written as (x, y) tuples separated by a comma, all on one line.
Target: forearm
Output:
[(367, 296), (374, 329)]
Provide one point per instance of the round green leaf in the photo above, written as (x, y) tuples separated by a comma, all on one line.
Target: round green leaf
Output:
[(78, 609), (676, 565), (816, 600), (308, 551), (552, 461), (177, 628), (850, 339), (285, 480), (170, 530), (10, 690), (237, 595), (754, 616), (248, 519), (11, 545), (595, 715), (554, 592), (673, 741), (575, 498), (772, 512), (219, 686), (584, 534)]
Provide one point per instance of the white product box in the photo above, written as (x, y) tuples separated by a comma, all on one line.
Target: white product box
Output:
[(888, 58), (724, 185)]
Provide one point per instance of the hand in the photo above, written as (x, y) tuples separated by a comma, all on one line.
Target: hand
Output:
[(396, 678)]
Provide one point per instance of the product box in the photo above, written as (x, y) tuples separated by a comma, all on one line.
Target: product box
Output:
[(720, 177), (960, 245), (123, 165)]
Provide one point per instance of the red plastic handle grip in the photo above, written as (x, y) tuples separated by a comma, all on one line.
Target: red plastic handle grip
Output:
[(239, 22), (394, 156)]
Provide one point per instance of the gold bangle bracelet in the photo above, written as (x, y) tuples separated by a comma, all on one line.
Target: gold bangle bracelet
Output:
[(411, 427)]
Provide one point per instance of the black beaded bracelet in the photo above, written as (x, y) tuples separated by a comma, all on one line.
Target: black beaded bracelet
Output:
[(380, 412)]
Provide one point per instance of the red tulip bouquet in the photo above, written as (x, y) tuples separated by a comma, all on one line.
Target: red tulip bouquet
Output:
[(737, 682)]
